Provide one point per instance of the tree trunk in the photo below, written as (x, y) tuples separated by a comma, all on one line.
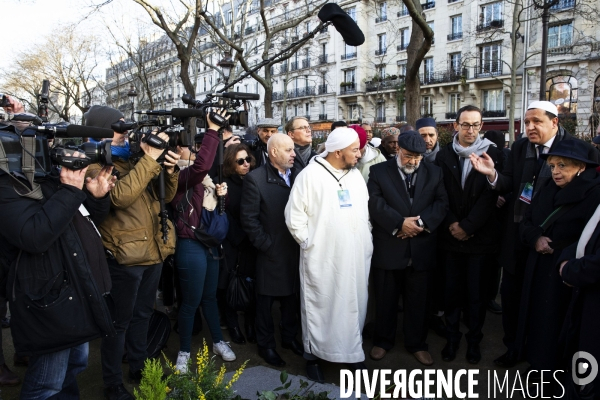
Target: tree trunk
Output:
[(268, 101)]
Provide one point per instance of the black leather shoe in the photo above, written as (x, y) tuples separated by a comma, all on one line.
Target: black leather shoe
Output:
[(135, 377), (251, 333), (473, 353), (117, 392), (314, 372), (507, 360), (494, 307), (295, 346), (271, 357), (236, 335), (449, 351)]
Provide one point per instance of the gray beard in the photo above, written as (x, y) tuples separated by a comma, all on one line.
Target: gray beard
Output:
[(406, 170)]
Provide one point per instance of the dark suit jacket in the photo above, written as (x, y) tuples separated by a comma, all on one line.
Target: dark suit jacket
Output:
[(474, 207), (265, 196), (389, 204), (520, 169)]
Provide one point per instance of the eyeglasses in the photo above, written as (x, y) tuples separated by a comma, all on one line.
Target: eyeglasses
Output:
[(410, 156), (304, 128), (241, 161), (466, 126)]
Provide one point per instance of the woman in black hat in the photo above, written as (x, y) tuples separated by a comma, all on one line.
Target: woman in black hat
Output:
[(555, 219)]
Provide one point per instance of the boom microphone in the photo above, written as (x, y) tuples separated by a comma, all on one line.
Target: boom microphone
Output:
[(154, 112), (76, 131), (239, 95), (186, 113), (342, 22)]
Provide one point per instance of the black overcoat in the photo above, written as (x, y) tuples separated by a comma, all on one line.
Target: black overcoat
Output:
[(520, 169), (545, 298), (473, 207), (237, 248), (265, 196), (582, 325), (389, 204)]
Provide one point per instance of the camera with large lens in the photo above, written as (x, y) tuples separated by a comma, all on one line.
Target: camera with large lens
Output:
[(230, 101), (95, 152)]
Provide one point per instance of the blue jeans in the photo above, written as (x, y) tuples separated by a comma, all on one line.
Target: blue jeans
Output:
[(133, 292), (53, 375), (198, 276)]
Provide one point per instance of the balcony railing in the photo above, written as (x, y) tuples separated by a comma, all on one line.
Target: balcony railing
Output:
[(455, 36), (306, 63), (451, 115), (402, 47), (428, 5), (348, 89), (493, 113), (322, 117), (386, 84), (488, 68), (206, 46), (294, 66), (403, 12), (400, 118), (443, 77), (486, 26), (554, 51), (381, 51), (380, 119), (323, 59), (276, 96), (563, 4), (348, 56), (427, 115), (283, 69), (249, 30), (301, 92), (322, 89), (381, 19)]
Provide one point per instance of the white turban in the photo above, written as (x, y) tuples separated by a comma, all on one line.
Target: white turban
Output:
[(339, 139)]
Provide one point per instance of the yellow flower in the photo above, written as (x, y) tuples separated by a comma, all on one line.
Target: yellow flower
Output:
[(220, 376), (167, 389), (236, 376), (201, 395)]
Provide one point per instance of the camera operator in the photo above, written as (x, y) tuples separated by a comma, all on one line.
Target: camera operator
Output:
[(57, 274), (266, 128), (134, 247)]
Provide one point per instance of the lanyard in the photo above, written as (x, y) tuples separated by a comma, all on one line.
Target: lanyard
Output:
[(331, 173)]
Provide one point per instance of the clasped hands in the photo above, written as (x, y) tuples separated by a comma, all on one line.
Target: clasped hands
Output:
[(458, 233), (542, 245), (409, 228)]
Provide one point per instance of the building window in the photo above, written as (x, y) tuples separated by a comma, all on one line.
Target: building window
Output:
[(560, 35), (381, 71), (453, 102), (489, 13), (562, 91), (403, 10), (381, 12), (493, 100), (229, 17), (426, 106), (455, 60), (402, 68), (404, 39), (380, 112), (432, 27), (353, 112), (427, 70), (490, 59), (349, 52), (352, 13), (381, 44), (350, 75), (456, 28)]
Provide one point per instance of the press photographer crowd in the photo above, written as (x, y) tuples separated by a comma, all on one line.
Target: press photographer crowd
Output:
[(336, 235)]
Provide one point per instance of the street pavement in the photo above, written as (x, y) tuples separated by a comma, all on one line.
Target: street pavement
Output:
[(90, 381)]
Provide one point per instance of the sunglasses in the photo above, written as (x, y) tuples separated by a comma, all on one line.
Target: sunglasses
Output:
[(240, 161)]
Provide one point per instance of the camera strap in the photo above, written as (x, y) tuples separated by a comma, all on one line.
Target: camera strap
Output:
[(27, 167)]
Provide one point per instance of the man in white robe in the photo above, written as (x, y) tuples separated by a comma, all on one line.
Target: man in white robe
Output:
[(327, 214)]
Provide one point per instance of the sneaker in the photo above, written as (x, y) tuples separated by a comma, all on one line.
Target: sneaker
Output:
[(224, 350), (182, 362)]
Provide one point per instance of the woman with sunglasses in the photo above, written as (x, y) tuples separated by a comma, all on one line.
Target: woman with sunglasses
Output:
[(239, 252)]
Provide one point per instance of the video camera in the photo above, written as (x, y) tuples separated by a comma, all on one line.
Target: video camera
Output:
[(229, 101)]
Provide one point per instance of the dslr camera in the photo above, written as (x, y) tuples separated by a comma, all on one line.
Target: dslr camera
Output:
[(230, 101)]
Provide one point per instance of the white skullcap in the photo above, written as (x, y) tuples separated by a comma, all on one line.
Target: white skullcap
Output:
[(544, 105), (339, 139)]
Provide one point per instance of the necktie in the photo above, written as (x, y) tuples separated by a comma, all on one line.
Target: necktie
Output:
[(408, 182)]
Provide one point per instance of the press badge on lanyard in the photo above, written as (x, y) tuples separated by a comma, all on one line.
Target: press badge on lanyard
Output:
[(527, 193), (344, 198)]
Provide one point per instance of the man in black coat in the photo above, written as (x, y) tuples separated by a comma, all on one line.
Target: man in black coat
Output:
[(469, 232), (265, 192), (407, 203), (524, 175), (299, 130), (58, 274)]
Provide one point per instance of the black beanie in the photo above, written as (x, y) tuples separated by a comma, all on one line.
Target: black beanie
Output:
[(102, 116)]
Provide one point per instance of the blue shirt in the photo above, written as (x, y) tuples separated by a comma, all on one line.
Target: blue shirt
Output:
[(286, 176)]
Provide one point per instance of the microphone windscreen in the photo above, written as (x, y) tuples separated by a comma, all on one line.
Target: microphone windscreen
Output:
[(342, 22), (88, 131), (186, 112)]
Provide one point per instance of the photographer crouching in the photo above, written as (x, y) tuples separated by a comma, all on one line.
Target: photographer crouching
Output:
[(58, 274), (135, 249)]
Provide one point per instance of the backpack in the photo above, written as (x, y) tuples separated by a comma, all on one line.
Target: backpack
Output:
[(213, 226)]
